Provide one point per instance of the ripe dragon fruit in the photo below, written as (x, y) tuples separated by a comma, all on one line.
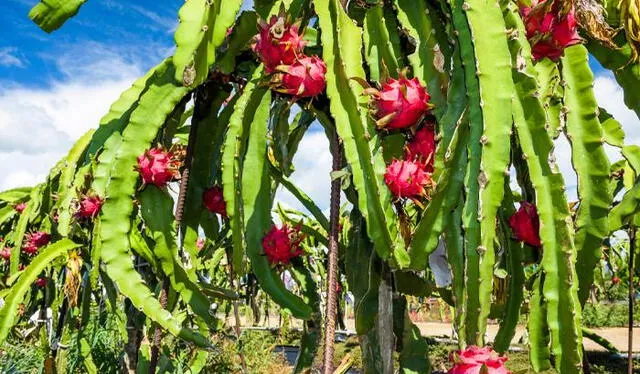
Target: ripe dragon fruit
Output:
[(476, 360), (282, 244), (525, 224), (422, 148), (278, 43), (549, 32), (5, 253), (614, 280), (401, 103), (41, 282), (200, 243), (89, 206), (213, 200), (35, 241), (20, 207), (304, 78), (157, 166), (407, 179)]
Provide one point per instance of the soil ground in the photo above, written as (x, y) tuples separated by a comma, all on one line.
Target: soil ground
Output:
[(616, 335)]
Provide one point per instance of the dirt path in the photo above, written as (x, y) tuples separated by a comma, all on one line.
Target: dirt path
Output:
[(616, 335)]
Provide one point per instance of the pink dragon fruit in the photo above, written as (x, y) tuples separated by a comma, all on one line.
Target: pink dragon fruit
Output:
[(407, 179), (525, 224), (278, 43), (304, 78), (549, 32), (282, 244), (41, 282), (35, 241), (401, 103), (20, 207), (5, 253), (89, 206), (422, 148), (157, 166), (213, 200), (476, 360), (200, 243)]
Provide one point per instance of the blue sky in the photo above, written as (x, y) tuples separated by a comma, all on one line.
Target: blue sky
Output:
[(139, 31), (55, 87)]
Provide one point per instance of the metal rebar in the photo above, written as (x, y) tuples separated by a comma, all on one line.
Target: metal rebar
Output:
[(332, 279)]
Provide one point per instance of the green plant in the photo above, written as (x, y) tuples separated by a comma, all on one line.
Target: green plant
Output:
[(224, 112)]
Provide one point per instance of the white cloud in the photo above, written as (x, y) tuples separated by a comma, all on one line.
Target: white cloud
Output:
[(19, 169), (27, 129), (9, 58), (313, 168), (38, 125), (167, 23), (158, 22), (610, 97)]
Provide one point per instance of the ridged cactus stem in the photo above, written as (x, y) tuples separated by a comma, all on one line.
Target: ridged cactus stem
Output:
[(590, 162), (182, 195), (236, 312), (516, 277), (455, 254), (470, 222), (560, 286), (493, 67)]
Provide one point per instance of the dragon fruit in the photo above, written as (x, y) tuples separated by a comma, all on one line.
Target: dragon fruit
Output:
[(157, 166), (548, 31), (5, 253), (304, 78), (407, 179), (401, 103), (200, 243), (278, 43), (89, 206), (282, 244), (20, 207), (213, 200), (41, 282), (614, 279), (422, 147), (476, 360), (35, 241), (525, 224)]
